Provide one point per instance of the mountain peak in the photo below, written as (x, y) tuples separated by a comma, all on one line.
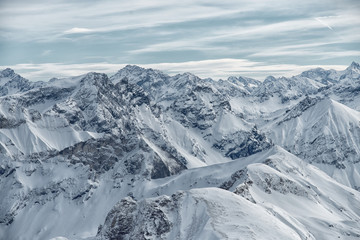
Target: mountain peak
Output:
[(353, 66), (8, 72), (11, 82), (320, 75), (93, 78), (351, 72), (138, 75), (185, 79), (269, 79), (188, 75), (137, 70), (310, 72), (132, 68)]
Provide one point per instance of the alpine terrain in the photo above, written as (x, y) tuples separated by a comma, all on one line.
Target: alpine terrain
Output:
[(144, 155)]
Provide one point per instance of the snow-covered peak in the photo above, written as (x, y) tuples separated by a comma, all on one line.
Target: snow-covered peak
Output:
[(314, 72), (94, 78), (8, 75), (325, 113), (321, 75), (65, 82), (8, 72), (88, 79), (140, 76), (133, 68), (325, 132), (184, 80), (269, 79), (248, 83), (11, 82), (354, 66), (352, 72)]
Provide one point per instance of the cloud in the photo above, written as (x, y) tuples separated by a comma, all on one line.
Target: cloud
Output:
[(307, 53), (215, 68), (143, 31), (78, 30), (263, 38), (41, 20), (324, 23), (104, 16)]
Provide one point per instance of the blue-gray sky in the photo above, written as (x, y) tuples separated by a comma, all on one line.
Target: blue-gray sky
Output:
[(58, 38)]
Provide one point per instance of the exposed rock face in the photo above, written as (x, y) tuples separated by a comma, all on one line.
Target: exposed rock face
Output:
[(297, 110), (130, 219), (243, 144)]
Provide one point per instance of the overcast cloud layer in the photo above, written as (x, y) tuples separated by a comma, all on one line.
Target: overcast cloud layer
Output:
[(252, 38)]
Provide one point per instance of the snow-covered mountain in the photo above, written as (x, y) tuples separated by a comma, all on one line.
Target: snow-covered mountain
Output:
[(323, 132), (145, 155), (270, 195), (11, 83)]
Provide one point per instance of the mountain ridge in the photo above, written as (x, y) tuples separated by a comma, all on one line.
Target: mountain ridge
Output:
[(95, 145)]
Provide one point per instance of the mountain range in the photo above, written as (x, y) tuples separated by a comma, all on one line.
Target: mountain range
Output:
[(145, 155)]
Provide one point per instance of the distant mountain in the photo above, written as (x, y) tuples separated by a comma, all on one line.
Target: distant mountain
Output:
[(11, 83), (145, 155)]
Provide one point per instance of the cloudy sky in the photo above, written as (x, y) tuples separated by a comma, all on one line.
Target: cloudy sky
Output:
[(58, 38)]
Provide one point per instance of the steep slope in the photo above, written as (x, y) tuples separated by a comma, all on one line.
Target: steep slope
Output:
[(348, 89), (294, 199), (196, 110), (323, 132), (57, 142), (11, 83)]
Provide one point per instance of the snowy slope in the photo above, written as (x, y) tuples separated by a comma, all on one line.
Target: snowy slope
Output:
[(348, 88), (208, 213), (323, 132), (195, 115), (294, 199), (181, 152), (287, 194)]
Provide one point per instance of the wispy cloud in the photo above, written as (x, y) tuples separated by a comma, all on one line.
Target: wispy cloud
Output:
[(78, 30), (324, 23), (49, 18), (306, 52), (266, 38), (300, 32)]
